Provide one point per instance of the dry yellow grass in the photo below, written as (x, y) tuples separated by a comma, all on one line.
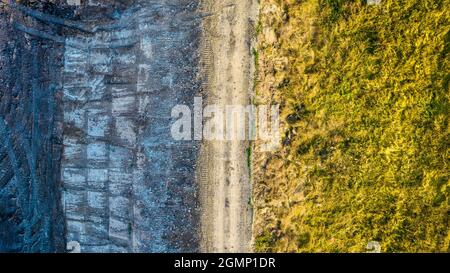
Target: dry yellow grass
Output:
[(364, 92)]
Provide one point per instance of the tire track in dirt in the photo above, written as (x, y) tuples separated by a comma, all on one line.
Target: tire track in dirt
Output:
[(128, 186), (223, 173)]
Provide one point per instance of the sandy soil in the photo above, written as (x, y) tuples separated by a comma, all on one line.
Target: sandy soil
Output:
[(225, 186)]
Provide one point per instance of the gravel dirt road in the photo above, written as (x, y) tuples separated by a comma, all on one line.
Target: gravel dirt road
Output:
[(225, 186)]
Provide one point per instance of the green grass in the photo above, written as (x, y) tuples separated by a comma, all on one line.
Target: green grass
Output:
[(365, 103), (249, 152)]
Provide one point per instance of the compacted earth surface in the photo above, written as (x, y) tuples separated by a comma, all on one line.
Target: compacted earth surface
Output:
[(31, 217), (224, 175), (87, 161)]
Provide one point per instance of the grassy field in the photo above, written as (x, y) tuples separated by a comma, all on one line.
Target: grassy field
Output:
[(364, 94)]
